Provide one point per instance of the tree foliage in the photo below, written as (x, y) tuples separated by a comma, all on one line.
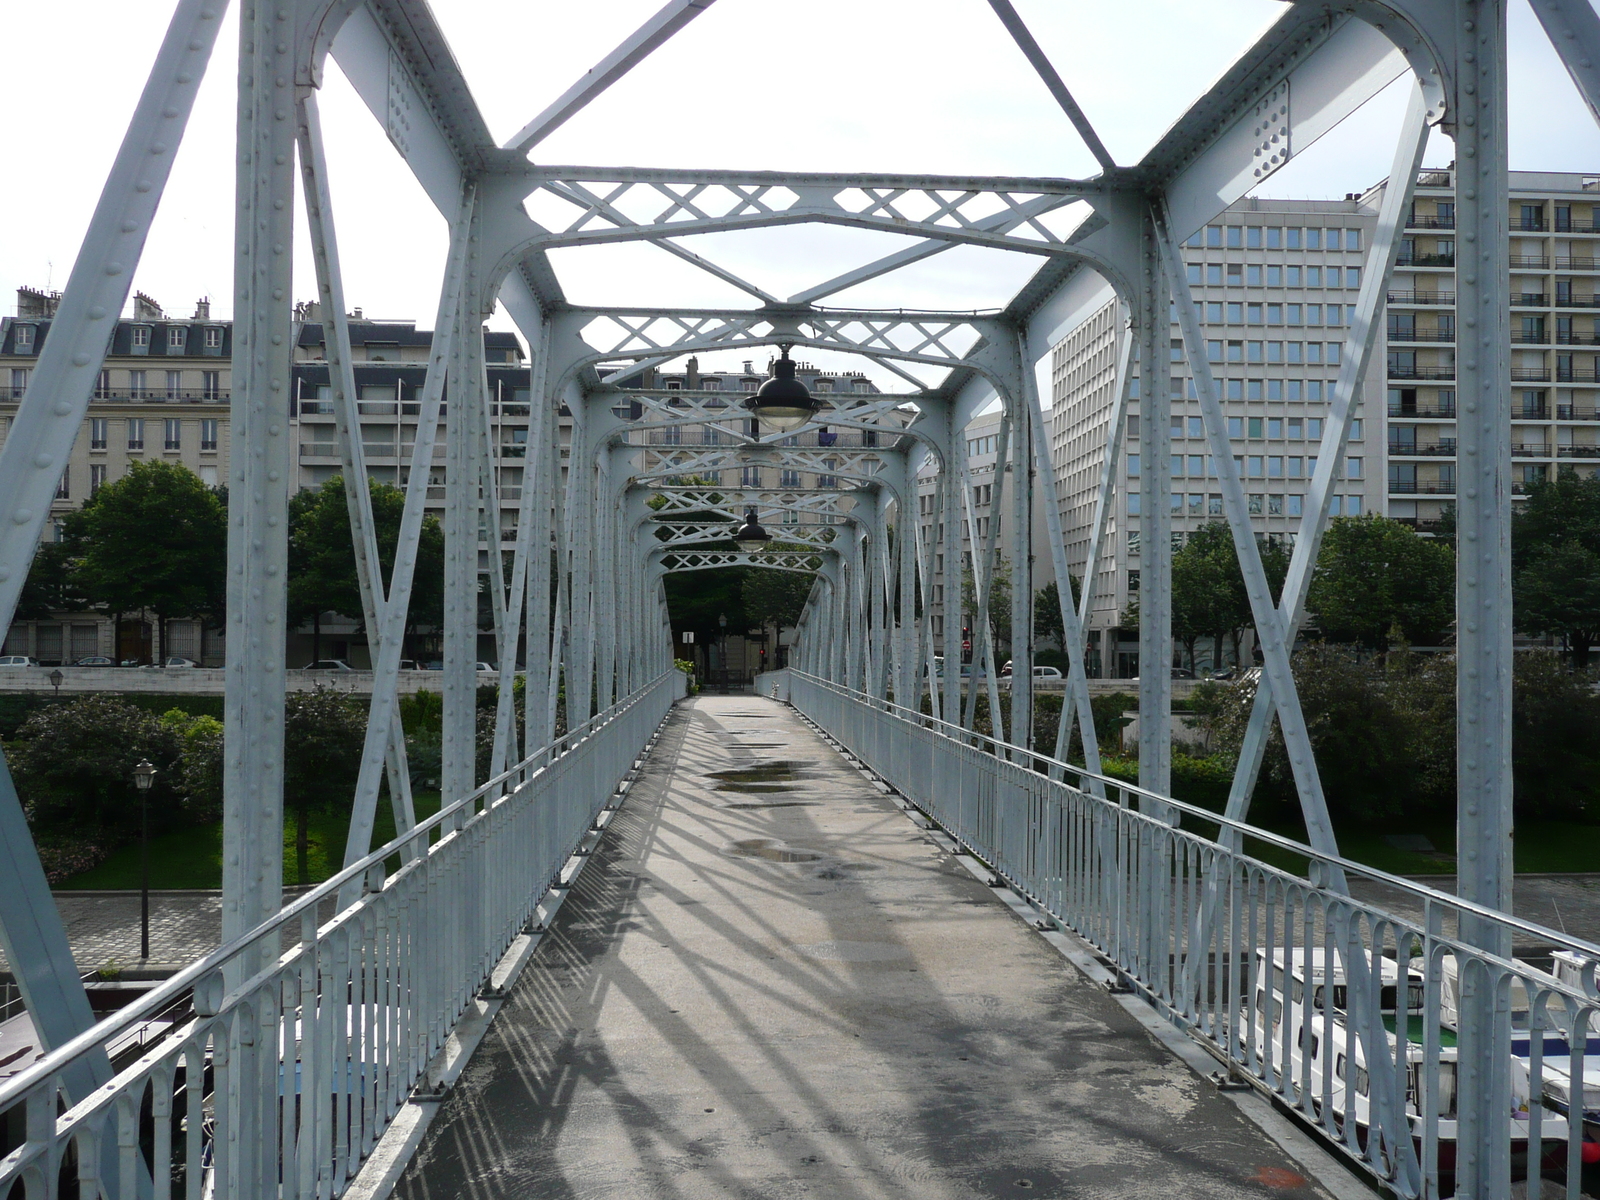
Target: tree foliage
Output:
[(774, 597), (323, 732), (156, 539), (1375, 575), (1047, 612), (1555, 548), (999, 605), (322, 557), (73, 765)]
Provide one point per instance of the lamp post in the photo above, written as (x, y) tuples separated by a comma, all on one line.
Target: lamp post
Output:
[(722, 648), (55, 677), (143, 776)]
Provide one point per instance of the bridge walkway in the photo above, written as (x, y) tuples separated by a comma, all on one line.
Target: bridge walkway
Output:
[(770, 982)]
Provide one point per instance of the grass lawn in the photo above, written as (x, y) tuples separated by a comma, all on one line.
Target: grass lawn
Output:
[(192, 858)]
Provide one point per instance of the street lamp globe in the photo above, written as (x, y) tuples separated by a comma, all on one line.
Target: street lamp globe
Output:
[(144, 775), (783, 401), (750, 537)]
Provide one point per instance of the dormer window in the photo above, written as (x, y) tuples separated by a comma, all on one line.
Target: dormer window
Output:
[(824, 385), (141, 339), (24, 339), (177, 337), (213, 338), (711, 385)]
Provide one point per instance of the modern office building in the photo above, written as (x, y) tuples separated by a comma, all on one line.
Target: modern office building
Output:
[(1275, 285), (1555, 332)]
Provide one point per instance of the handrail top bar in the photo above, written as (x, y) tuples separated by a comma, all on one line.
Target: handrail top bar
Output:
[(1420, 890), (158, 996)]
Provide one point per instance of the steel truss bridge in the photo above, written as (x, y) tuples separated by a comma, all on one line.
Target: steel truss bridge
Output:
[(356, 1006)]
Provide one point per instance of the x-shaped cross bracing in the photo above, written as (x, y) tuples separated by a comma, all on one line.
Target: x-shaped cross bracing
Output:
[(708, 560)]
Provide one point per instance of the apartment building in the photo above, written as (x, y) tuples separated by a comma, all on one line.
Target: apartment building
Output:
[(1555, 331), (162, 396), (1275, 284)]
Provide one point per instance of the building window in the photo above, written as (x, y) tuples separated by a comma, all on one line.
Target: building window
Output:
[(24, 339), (63, 487), (141, 339), (750, 477), (177, 337), (97, 477), (1274, 506), (172, 434), (788, 478), (211, 382), (1295, 505), (135, 433), (208, 433), (136, 386), (1352, 468), (102, 387), (19, 382), (97, 432), (213, 338), (174, 384), (1133, 466)]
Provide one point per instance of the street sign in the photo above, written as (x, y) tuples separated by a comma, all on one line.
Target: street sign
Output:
[(687, 637)]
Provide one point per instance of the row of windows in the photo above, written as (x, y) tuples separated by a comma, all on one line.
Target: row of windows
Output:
[(142, 337), (1270, 275), (1253, 389), (1274, 237), (983, 445), (97, 480), (171, 430), (1254, 427), (1288, 353), (1218, 312), (1251, 466), (1198, 504)]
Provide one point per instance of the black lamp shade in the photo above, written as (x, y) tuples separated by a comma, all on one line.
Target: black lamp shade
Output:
[(750, 537), (783, 401)]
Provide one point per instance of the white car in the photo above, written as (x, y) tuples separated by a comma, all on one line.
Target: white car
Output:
[(180, 662), (328, 664), (17, 660), (489, 667)]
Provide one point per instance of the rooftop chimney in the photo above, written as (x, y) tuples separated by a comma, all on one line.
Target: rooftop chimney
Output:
[(31, 302), (691, 373), (202, 309), (146, 309)]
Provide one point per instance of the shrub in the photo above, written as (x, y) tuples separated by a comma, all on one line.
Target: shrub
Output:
[(199, 766), (74, 763)]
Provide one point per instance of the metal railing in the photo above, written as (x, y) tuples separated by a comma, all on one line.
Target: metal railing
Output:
[(1214, 938), (295, 1061), (1422, 297)]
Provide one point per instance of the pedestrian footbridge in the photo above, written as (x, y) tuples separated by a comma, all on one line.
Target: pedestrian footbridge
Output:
[(806, 943)]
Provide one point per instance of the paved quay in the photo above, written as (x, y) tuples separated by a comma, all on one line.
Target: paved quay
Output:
[(769, 982)]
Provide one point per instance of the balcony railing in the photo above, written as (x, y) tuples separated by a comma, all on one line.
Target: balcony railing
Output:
[(1530, 412), (1405, 487), (1444, 446), (1425, 260), (1571, 412), (1530, 374), (1578, 451), (1422, 335), (1570, 375), (1530, 449), (1435, 373), (1523, 225), (1447, 411), (1577, 301), (1522, 338), (1587, 263), (1576, 226), (1415, 222), (1568, 338), (1530, 300), (1422, 297), (1530, 260)]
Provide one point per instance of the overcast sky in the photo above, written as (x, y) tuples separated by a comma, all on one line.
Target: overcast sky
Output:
[(869, 85)]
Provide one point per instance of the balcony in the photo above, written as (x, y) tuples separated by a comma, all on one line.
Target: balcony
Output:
[(1578, 451), (1521, 225), (1567, 338), (1521, 338), (1416, 222), (1530, 450), (156, 396), (1445, 447), (1571, 412), (1571, 375), (1576, 226), (1538, 261), (1577, 264), (1446, 411), (1530, 412), (1577, 301), (1422, 297), (1530, 374), (1403, 487), (1531, 300), (1423, 373), (1425, 260), (1422, 335)]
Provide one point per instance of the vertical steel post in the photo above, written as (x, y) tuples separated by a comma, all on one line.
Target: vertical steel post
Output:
[(258, 493), (1483, 577), (1022, 484), (1155, 518)]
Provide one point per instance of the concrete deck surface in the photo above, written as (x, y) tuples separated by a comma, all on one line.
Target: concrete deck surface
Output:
[(771, 984)]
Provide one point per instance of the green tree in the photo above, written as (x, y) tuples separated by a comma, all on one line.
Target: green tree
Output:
[(52, 585), (154, 540), (1047, 612), (1555, 549), (1375, 574), (1558, 593), (322, 557), (323, 734), (73, 764), (198, 771), (999, 604), (773, 597)]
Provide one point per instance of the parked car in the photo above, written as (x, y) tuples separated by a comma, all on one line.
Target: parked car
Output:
[(435, 665), (95, 660), (1182, 673), (328, 664), (17, 660), (180, 662), (410, 664), (488, 667), (1047, 673)]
